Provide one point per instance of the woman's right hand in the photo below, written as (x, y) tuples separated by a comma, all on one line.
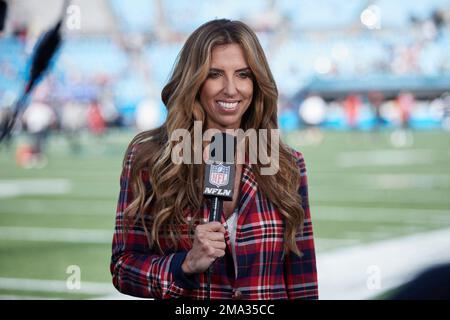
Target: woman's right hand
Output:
[(209, 244)]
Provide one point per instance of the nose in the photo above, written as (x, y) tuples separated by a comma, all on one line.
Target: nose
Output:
[(230, 88)]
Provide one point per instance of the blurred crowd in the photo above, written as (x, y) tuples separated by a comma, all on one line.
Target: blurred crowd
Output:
[(357, 66)]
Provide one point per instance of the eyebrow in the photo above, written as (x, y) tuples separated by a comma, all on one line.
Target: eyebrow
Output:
[(239, 70)]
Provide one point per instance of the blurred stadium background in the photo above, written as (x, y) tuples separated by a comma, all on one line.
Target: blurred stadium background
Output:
[(364, 94)]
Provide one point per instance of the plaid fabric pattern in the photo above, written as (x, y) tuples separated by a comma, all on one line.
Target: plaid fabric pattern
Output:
[(263, 271)]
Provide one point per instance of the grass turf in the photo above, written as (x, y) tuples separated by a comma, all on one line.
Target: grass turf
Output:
[(350, 204)]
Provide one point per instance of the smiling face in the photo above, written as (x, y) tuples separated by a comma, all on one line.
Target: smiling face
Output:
[(227, 92)]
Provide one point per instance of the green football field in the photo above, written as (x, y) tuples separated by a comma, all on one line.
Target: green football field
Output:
[(362, 189)]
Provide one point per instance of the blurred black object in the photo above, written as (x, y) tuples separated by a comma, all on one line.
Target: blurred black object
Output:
[(42, 54), (3, 11), (432, 284)]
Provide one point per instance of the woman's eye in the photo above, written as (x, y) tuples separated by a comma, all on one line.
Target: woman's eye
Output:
[(244, 75), (214, 74)]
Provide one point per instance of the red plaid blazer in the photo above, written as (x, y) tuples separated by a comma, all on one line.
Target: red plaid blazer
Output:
[(263, 271)]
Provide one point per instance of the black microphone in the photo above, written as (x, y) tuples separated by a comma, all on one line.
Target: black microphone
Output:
[(219, 180), (219, 173)]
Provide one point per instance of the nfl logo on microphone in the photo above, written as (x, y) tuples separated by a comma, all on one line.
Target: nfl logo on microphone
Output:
[(219, 175)]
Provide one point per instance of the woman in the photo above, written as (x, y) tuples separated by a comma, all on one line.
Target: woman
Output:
[(263, 248)]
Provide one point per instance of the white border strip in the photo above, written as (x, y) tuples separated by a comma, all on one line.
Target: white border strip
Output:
[(56, 234)]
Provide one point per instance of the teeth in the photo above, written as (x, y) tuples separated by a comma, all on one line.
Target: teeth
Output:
[(227, 105)]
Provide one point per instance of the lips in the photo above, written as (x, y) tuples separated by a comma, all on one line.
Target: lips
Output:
[(227, 105)]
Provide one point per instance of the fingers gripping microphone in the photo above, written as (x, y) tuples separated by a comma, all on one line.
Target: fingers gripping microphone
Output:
[(219, 179)]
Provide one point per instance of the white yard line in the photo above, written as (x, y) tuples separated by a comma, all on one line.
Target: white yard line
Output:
[(105, 236), (394, 181), (104, 291), (94, 288), (324, 244), (17, 297), (56, 234), (349, 273), (367, 214), (386, 157), (58, 207), (403, 181), (20, 187)]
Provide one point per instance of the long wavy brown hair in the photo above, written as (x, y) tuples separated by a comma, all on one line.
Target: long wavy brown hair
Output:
[(177, 187)]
